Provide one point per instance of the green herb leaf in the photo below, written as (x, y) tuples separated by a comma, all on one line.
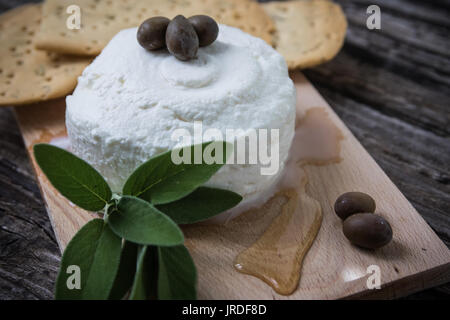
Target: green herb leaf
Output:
[(74, 178), (160, 180), (126, 272), (92, 257), (144, 283), (138, 291), (200, 205), (177, 276), (138, 221)]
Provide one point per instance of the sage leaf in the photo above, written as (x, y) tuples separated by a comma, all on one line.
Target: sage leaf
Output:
[(140, 222), (144, 282), (74, 178), (127, 270), (89, 263), (177, 275), (200, 205), (160, 180)]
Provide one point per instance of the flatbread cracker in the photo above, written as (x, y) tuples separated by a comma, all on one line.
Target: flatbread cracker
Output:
[(308, 32), (102, 19), (26, 74)]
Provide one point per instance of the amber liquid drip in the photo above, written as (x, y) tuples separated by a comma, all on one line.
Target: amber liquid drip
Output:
[(276, 257)]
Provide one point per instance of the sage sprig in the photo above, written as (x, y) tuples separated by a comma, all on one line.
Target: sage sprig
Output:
[(95, 252), (177, 275), (144, 284), (201, 204), (160, 180), (74, 178), (140, 222), (137, 250), (125, 273)]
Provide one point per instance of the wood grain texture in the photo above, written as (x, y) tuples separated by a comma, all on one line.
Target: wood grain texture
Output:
[(391, 90), (332, 269)]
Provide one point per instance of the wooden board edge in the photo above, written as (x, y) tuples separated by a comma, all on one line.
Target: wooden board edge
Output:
[(34, 167), (407, 285)]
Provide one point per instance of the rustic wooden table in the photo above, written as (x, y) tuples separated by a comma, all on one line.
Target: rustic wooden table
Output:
[(390, 86)]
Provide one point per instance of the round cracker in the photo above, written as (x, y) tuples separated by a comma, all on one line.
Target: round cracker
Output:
[(26, 74), (308, 32), (101, 20)]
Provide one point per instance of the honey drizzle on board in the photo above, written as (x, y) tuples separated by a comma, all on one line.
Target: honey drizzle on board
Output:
[(276, 257)]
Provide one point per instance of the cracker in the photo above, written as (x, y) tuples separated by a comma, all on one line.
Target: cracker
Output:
[(102, 19), (28, 75), (308, 32)]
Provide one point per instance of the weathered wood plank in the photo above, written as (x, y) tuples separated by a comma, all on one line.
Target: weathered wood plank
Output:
[(432, 12), (29, 255), (417, 161)]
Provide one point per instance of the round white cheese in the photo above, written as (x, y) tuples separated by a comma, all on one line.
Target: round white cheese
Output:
[(129, 101)]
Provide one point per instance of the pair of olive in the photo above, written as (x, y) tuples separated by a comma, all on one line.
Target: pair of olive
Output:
[(181, 36), (361, 226)]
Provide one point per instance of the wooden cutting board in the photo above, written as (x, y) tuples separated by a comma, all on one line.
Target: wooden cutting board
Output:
[(333, 269)]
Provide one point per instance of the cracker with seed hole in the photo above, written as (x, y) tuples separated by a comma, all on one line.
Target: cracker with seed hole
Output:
[(308, 32), (102, 19), (26, 74)]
